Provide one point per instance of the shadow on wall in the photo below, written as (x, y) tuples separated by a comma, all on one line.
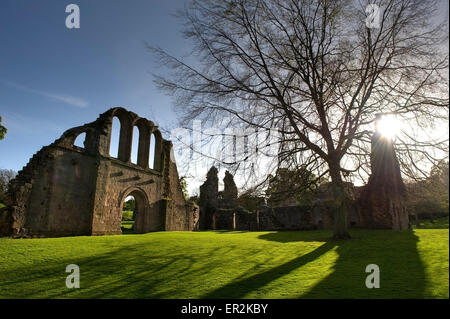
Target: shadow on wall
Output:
[(398, 259)]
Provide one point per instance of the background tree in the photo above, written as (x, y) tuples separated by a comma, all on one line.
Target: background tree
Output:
[(313, 71), (184, 187), (429, 198), (288, 184), (251, 202), (3, 130), (129, 205), (6, 175)]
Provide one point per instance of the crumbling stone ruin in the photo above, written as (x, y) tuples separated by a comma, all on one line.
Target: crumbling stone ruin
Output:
[(379, 204), (383, 199), (220, 210), (230, 191), (209, 193), (66, 190)]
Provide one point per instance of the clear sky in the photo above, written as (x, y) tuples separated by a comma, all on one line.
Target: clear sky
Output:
[(53, 78)]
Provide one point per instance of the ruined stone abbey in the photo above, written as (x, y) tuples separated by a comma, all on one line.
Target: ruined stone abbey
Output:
[(66, 190)]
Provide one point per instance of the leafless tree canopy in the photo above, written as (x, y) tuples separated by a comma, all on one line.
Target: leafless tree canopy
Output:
[(6, 175), (316, 73)]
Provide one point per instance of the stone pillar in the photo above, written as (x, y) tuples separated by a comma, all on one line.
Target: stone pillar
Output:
[(125, 139), (230, 191), (144, 146), (208, 198), (383, 199), (157, 164)]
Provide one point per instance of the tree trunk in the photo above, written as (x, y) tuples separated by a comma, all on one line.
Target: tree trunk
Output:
[(341, 204)]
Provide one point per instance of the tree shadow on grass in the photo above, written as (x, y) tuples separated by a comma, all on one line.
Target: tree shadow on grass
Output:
[(130, 271), (395, 252), (134, 271), (108, 274), (402, 273), (243, 285)]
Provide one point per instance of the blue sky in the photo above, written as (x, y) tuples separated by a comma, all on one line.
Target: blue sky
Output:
[(53, 78)]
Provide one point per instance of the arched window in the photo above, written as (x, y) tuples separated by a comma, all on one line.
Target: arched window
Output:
[(115, 136), (151, 158), (135, 145), (79, 141)]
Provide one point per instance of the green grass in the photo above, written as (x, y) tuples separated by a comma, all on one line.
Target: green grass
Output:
[(222, 264), (127, 215), (2, 205), (127, 224), (438, 223)]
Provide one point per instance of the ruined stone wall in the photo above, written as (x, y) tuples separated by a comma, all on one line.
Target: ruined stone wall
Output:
[(57, 204), (383, 200), (67, 190), (279, 218), (286, 218), (225, 214), (179, 214), (115, 182), (47, 196)]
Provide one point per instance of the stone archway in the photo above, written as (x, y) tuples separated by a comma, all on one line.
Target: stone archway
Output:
[(68, 190), (148, 216)]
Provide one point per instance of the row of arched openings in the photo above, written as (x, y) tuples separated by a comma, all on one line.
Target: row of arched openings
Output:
[(114, 144)]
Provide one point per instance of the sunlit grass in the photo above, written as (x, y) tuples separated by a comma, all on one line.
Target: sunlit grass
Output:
[(438, 223), (127, 224), (127, 215), (413, 264)]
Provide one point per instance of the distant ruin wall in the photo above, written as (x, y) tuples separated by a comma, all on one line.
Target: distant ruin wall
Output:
[(277, 218), (381, 204)]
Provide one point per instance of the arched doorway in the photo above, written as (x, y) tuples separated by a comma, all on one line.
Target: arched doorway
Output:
[(129, 215), (134, 207)]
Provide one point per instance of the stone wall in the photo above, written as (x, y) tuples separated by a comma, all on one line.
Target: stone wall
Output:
[(268, 218), (286, 218), (383, 199), (66, 190), (221, 214)]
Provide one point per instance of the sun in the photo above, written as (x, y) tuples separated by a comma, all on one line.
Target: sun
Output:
[(388, 126)]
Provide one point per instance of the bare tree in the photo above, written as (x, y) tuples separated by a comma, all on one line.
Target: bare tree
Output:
[(6, 175), (317, 71)]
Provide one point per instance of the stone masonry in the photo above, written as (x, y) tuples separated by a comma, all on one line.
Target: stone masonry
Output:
[(383, 199), (66, 190)]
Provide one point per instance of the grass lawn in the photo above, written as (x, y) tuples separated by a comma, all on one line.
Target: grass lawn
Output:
[(222, 264), (438, 223), (127, 226), (127, 215)]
